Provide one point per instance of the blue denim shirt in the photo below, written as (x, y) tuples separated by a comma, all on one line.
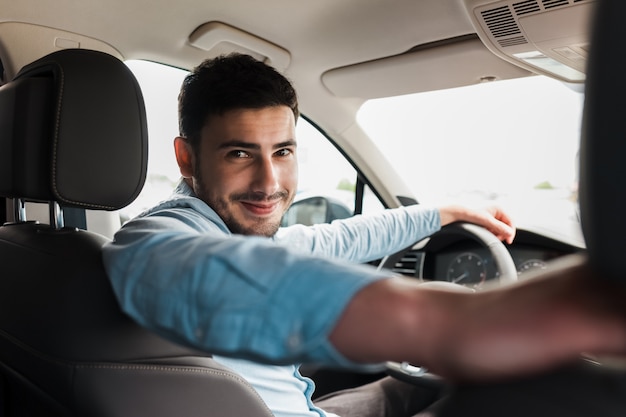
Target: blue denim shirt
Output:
[(178, 270)]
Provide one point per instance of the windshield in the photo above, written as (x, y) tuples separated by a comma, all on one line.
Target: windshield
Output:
[(514, 143)]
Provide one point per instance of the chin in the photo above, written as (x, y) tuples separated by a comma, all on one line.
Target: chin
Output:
[(264, 228)]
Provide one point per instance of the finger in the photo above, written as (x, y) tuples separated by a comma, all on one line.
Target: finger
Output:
[(503, 226), (501, 215), (503, 232)]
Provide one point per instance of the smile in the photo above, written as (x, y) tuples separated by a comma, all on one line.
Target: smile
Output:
[(260, 208)]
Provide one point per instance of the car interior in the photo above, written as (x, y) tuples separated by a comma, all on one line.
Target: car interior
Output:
[(75, 146)]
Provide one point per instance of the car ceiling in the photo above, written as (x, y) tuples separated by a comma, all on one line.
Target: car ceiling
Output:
[(319, 36), (324, 33), (340, 53)]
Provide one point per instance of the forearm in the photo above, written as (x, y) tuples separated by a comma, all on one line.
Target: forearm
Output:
[(524, 328), (394, 320), (362, 239)]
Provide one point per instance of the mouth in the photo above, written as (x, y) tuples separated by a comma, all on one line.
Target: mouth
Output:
[(259, 208)]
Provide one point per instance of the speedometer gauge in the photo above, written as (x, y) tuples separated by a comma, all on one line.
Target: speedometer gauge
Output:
[(468, 269), (530, 264)]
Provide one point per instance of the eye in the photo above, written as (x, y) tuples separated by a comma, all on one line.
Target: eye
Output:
[(238, 154), (284, 152)]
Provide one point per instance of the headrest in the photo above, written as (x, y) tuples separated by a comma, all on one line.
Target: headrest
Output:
[(603, 144), (73, 130)]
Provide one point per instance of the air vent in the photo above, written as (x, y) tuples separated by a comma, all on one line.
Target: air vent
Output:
[(550, 4), (500, 22), (525, 7), (518, 40), (543, 36), (409, 264)]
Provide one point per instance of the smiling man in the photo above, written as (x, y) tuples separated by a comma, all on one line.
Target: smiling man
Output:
[(245, 167), (211, 268)]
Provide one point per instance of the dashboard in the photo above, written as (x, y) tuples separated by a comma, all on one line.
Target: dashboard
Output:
[(461, 260)]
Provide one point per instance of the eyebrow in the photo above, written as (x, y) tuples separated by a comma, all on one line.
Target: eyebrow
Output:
[(247, 145)]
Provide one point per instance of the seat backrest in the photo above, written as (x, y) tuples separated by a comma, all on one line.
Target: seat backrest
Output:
[(73, 134), (603, 143)]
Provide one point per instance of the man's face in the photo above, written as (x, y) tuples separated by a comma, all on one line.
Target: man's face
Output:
[(247, 169)]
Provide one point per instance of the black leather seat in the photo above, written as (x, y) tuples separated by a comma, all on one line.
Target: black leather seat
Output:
[(603, 143), (73, 134)]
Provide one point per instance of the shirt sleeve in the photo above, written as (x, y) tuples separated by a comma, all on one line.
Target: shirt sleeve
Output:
[(363, 239), (188, 279)]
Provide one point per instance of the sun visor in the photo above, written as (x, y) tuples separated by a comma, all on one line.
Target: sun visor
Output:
[(454, 64), (549, 37)]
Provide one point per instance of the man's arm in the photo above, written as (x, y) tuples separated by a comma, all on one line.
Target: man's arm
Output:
[(365, 238), (528, 327), (182, 276)]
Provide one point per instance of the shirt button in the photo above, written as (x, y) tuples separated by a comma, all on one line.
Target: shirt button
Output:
[(294, 341), (199, 333)]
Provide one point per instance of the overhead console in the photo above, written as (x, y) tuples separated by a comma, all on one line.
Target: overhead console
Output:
[(511, 39), (549, 37)]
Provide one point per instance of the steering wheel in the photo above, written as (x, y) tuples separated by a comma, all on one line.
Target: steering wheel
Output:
[(507, 273), (505, 267)]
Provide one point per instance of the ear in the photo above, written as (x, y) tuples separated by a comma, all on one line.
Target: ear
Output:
[(184, 157)]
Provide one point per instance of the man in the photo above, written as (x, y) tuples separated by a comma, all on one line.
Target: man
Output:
[(211, 268)]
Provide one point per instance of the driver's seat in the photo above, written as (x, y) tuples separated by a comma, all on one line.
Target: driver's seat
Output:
[(73, 134)]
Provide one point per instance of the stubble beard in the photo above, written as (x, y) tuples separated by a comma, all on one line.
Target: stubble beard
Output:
[(260, 227)]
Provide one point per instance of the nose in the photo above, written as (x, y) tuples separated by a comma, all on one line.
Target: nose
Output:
[(266, 178)]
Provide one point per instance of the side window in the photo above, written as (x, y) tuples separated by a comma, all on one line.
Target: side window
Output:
[(160, 85), (327, 184), (314, 210)]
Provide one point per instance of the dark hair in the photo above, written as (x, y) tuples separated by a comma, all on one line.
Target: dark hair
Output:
[(229, 82)]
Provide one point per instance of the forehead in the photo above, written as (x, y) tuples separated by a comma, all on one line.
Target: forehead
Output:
[(268, 124)]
